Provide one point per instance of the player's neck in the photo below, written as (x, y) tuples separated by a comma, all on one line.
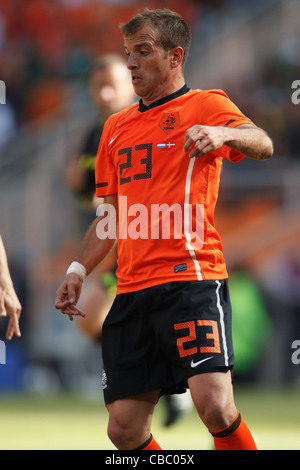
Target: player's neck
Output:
[(142, 108), (165, 90)]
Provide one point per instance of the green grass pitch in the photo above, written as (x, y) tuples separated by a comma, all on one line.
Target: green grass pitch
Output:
[(68, 422)]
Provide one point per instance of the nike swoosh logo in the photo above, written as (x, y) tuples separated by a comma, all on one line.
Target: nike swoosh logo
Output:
[(195, 364), (114, 138)]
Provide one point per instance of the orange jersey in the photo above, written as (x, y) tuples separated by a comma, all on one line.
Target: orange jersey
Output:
[(166, 199)]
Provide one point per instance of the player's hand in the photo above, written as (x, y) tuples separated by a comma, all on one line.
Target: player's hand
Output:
[(205, 138), (67, 296), (10, 304)]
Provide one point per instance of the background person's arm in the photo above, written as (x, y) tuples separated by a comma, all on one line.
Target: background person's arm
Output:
[(9, 302)]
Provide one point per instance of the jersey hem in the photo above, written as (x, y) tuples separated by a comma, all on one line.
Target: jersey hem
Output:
[(152, 283)]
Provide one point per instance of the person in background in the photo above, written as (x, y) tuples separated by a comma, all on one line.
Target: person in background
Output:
[(111, 91), (251, 324)]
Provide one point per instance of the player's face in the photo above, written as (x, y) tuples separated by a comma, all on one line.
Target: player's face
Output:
[(112, 89), (149, 65)]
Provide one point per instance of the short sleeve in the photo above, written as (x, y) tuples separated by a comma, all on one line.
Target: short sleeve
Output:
[(218, 110), (105, 171)]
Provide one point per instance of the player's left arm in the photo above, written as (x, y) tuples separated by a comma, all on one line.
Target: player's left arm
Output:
[(250, 141)]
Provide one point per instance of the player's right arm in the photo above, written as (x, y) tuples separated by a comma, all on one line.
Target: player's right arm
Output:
[(92, 251)]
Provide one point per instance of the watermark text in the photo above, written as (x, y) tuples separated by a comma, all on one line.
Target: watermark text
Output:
[(157, 222), (296, 93), (2, 353), (2, 92), (296, 354)]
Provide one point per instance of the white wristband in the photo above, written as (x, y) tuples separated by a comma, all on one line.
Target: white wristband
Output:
[(77, 268)]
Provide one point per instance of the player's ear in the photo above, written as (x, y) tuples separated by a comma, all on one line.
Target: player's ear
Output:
[(176, 57)]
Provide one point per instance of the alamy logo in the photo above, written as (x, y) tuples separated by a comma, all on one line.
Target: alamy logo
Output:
[(159, 221), (2, 353), (2, 92), (296, 93), (296, 354)]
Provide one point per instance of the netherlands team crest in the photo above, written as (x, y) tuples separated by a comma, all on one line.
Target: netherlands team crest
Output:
[(169, 122)]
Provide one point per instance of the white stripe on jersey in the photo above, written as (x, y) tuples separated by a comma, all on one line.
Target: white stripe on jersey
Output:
[(187, 221)]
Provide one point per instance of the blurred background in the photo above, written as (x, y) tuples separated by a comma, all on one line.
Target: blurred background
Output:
[(251, 50)]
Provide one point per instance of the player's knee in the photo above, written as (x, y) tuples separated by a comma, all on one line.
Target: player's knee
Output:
[(122, 435), (118, 435), (216, 413)]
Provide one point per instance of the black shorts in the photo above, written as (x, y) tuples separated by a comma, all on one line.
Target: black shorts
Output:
[(156, 338)]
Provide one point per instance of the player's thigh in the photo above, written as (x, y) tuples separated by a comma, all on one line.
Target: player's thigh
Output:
[(212, 394)]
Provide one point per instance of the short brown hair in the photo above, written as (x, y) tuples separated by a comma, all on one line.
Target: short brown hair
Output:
[(173, 30)]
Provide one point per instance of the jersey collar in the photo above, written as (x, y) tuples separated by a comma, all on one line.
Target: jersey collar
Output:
[(142, 107)]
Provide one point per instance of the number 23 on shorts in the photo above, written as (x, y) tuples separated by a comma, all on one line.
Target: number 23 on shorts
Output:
[(191, 326)]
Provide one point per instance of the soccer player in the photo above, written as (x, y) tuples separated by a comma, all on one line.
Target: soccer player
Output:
[(170, 324), (112, 91), (9, 302)]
